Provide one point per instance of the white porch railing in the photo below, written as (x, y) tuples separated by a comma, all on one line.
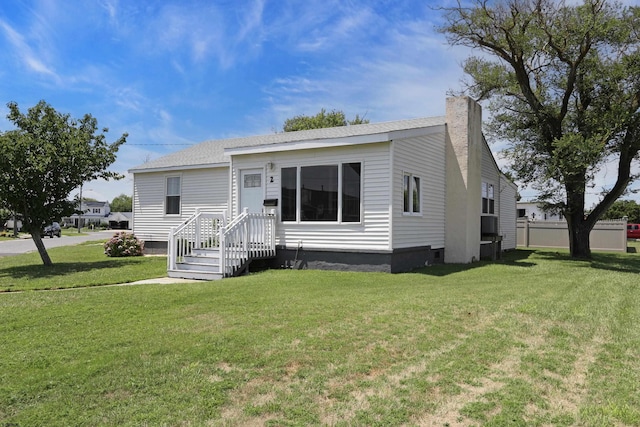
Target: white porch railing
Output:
[(200, 231), (248, 236)]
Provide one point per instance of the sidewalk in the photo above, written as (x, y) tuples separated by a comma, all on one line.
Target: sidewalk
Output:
[(160, 281)]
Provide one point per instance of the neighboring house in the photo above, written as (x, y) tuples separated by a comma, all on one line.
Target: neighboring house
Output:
[(93, 213), (119, 220), (534, 211), (385, 196)]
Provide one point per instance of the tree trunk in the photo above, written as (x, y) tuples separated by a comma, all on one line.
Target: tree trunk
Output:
[(578, 223), (37, 239), (579, 243)]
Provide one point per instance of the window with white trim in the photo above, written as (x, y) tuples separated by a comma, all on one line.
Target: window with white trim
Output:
[(412, 194), (326, 193), (172, 196), (488, 202)]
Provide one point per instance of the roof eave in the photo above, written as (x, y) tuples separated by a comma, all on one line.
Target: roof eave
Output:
[(179, 167), (335, 142)]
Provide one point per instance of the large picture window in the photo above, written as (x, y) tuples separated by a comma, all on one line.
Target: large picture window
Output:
[(319, 193), (412, 201), (322, 193), (488, 202), (172, 198), (289, 193)]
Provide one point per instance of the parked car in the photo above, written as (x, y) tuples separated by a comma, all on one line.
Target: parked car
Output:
[(52, 230), (633, 231)]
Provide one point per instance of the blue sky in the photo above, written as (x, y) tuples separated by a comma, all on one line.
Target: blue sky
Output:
[(177, 72)]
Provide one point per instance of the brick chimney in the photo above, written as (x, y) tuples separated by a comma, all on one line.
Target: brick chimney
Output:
[(463, 153)]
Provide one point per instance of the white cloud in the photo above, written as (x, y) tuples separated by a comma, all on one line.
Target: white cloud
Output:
[(26, 54), (406, 76)]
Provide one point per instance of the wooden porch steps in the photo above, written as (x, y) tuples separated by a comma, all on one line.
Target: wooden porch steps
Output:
[(204, 264), (207, 247)]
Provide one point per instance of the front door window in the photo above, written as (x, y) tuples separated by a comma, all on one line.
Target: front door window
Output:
[(251, 193)]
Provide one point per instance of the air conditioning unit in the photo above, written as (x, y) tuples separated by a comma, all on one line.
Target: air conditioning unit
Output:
[(489, 225)]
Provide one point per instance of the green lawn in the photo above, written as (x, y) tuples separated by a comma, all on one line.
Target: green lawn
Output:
[(536, 339), (75, 266)]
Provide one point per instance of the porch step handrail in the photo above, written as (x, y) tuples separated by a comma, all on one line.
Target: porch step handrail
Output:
[(200, 231), (246, 237), (249, 235)]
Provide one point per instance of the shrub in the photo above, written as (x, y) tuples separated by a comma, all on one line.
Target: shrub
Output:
[(124, 244)]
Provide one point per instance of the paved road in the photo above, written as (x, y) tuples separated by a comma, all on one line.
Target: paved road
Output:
[(20, 246)]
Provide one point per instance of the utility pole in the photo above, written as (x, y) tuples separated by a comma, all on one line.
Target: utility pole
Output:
[(15, 225), (80, 211)]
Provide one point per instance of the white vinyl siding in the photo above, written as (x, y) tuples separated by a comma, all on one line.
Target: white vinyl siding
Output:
[(508, 213), (490, 176), (207, 189), (421, 157), (370, 234)]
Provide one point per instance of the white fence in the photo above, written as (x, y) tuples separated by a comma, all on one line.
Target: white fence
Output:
[(605, 236)]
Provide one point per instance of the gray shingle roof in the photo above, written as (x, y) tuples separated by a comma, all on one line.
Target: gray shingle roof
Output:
[(211, 153)]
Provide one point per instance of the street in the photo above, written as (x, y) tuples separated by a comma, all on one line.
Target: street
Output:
[(20, 246)]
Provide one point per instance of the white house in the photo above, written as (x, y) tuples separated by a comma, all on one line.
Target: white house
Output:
[(534, 212), (383, 196), (93, 213)]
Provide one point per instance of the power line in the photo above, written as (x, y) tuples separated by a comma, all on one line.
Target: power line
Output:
[(163, 144)]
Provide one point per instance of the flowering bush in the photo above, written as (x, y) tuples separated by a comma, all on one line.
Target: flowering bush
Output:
[(124, 244)]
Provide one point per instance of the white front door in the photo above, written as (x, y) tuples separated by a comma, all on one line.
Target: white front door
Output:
[(251, 190)]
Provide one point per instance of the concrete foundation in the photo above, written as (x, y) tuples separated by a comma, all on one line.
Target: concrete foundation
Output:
[(398, 261)]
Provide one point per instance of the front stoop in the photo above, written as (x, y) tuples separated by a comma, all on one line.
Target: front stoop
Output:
[(202, 264)]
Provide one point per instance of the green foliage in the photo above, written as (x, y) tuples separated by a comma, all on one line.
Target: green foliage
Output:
[(562, 82), (123, 244), (48, 155), (622, 208), (534, 340), (121, 203), (323, 119)]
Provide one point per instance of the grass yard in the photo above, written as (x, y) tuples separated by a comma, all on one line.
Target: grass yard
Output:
[(75, 266), (536, 339)]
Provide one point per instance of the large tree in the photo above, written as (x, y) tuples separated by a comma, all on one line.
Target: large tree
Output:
[(121, 203), (622, 208), (321, 120), (48, 155), (562, 82)]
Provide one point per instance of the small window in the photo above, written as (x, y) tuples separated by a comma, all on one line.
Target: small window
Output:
[(96, 210), (172, 200), (289, 193), (415, 190), (488, 202), (412, 201), (407, 191), (351, 174), (253, 180)]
